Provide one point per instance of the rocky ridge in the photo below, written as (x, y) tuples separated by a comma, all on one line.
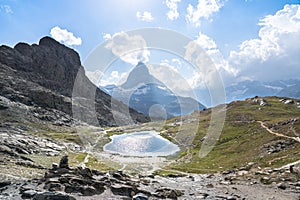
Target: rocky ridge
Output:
[(44, 75)]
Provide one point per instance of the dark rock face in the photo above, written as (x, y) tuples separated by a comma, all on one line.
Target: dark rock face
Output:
[(44, 75), (64, 162), (169, 193), (52, 196), (5, 183), (278, 146)]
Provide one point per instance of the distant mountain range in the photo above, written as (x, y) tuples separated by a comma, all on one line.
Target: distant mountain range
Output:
[(246, 89), (146, 94), (145, 91)]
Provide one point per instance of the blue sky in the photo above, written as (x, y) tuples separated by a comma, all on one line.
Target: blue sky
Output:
[(225, 29)]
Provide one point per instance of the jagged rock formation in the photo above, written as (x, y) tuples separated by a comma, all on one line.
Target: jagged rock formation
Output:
[(43, 76)]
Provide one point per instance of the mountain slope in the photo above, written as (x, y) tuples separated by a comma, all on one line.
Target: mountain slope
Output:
[(44, 75), (247, 89), (148, 95), (266, 134), (291, 91)]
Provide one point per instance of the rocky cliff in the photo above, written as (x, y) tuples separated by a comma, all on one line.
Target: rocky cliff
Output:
[(44, 75)]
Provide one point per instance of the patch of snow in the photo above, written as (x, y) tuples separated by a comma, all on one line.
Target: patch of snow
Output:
[(239, 92), (161, 87), (143, 90), (285, 84), (273, 87)]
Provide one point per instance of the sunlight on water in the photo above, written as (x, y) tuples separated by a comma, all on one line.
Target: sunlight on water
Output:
[(146, 143)]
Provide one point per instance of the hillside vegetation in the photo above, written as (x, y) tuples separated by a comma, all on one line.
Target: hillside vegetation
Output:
[(245, 137)]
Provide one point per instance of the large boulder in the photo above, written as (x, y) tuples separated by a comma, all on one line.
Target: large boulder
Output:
[(52, 196)]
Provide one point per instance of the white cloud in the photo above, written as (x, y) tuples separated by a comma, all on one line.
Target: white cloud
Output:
[(115, 78), (167, 64), (130, 49), (215, 54), (207, 73), (94, 76), (171, 78), (145, 16), (276, 50), (204, 10), (99, 79), (209, 61), (107, 36), (6, 8), (63, 35), (172, 14), (206, 42)]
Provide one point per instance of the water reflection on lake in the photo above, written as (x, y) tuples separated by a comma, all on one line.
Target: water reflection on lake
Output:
[(146, 143)]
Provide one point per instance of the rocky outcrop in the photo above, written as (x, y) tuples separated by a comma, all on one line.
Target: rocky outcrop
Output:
[(62, 182), (278, 146), (16, 142), (43, 75), (16, 146), (280, 124), (248, 182)]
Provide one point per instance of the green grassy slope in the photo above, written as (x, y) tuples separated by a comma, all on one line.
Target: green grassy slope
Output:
[(243, 139)]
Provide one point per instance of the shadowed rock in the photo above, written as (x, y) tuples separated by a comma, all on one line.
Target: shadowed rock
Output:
[(64, 162), (44, 75)]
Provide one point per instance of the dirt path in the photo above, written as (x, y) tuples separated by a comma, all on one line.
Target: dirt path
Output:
[(89, 151), (278, 134), (290, 164)]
